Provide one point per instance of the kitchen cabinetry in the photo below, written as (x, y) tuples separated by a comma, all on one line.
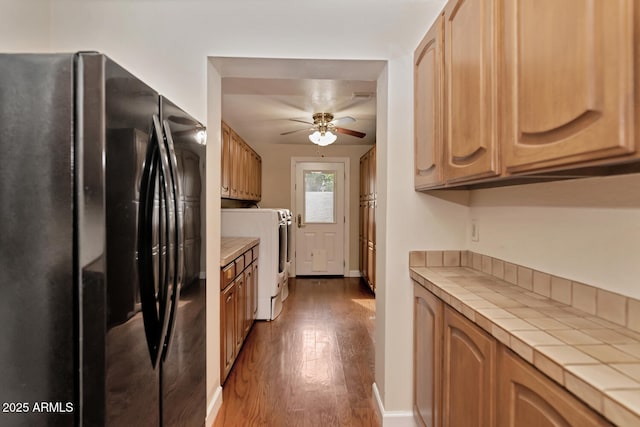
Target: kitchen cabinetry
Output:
[(238, 305), (429, 107), (368, 203), (241, 171), (457, 381), (427, 357), (469, 366), (470, 95), (568, 82), (529, 399), (543, 89)]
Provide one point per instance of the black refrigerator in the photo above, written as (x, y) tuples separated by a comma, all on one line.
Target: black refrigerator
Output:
[(102, 308)]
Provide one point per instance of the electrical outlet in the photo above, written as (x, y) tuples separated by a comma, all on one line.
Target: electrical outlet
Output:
[(475, 231)]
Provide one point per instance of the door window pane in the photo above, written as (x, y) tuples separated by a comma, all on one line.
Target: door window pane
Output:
[(319, 197)]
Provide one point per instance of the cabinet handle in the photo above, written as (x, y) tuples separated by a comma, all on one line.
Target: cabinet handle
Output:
[(229, 298)]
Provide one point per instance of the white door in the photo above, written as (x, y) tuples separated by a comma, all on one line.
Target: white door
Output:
[(320, 218)]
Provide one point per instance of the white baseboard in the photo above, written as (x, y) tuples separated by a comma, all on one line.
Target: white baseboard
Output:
[(391, 418), (213, 407), (354, 273)]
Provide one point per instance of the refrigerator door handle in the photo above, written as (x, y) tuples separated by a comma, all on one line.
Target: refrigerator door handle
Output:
[(151, 313), (168, 290), (156, 307), (179, 238)]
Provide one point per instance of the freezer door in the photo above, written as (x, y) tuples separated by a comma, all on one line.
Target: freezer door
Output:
[(37, 314), (184, 362), (132, 382)]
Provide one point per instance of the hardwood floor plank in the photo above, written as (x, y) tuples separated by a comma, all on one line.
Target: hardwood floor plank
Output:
[(312, 366)]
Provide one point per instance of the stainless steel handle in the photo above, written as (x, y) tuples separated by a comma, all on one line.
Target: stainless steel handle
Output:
[(300, 224)]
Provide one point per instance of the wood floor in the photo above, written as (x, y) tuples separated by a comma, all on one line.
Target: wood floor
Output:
[(312, 366)]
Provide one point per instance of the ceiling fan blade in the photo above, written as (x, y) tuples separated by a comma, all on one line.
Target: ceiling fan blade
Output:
[(343, 120), (351, 132), (301, 121), (293, 131)]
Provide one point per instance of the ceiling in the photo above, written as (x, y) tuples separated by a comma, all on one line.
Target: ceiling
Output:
[(260, 96)]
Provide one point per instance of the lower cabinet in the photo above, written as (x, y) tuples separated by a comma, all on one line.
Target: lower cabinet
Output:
[(469, 367), (465, 377), (528, 398), (238, 306), (427, 361)]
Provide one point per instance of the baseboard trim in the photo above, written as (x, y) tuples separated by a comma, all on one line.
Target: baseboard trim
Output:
[(354, 273), (391, 418), (213, 407), (203, 274)]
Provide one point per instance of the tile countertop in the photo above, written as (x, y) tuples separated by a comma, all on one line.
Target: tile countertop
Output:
[(233, 247), (595, 359)]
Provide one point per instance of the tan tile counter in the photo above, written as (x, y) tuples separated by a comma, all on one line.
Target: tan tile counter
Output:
[(594, 358), (232, 247)]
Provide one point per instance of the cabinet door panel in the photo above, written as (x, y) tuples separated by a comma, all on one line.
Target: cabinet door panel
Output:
[(428, 108), (568, 81), (469, 368), (227, 329), (427, 358), (470, 134), (241, 301), (529, 399)]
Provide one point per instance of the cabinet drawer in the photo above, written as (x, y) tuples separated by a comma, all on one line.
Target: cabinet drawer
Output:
[(227, 274), (255, 252), (248, 258), (239, 264)]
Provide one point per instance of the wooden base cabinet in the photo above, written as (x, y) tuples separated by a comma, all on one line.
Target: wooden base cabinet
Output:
[(427, 357), (465, 377), (529, 399), (469, 367), (238, 306)]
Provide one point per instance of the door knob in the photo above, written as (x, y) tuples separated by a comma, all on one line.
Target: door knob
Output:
[(300, 224)]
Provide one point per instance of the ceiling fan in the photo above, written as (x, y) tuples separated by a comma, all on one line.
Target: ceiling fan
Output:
[(324, 128)]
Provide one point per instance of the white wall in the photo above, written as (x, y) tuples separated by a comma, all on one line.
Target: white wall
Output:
[(24, 26), (414, 221), (586, 230)]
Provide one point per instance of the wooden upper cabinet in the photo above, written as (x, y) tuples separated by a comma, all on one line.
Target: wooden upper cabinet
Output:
[(469, 365), (428, 108), (225, 179), (241, 168), (568, 81), (529, 399), (471, 149)]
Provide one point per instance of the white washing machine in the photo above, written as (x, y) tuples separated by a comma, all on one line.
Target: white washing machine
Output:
[(270, 226)]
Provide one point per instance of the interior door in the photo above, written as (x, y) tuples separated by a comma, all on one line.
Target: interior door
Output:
[(319, 214)]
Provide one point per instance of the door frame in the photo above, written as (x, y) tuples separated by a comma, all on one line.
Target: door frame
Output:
[(347, 211)]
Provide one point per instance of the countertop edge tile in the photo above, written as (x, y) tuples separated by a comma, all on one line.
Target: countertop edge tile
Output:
[(233, 247)]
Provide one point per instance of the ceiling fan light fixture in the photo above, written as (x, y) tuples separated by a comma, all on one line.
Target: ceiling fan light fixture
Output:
[(323, 138)]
